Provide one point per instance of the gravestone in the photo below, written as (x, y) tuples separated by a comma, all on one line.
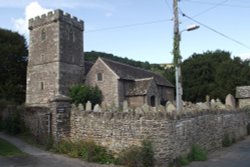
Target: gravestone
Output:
[(81, 108), (170, 107), (88, 106), (230, 101), (125, 106), (97, 108)]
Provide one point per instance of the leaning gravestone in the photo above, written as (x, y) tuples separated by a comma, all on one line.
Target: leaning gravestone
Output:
[(170, 107), (145, 108), (97, 108), (230, 101)]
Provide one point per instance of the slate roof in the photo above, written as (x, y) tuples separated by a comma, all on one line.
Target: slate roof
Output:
[(243, 92), (88, 65), (128, 72), (139, 87)]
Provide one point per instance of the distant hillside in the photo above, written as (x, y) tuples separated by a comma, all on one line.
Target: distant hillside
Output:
[(93, 55), (168, 73)]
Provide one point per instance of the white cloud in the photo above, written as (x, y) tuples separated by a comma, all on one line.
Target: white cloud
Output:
[(108, 14), (33, 9), (244, 56)]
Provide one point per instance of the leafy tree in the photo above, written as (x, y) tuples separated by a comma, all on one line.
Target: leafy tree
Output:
[(13, 58), (213, 73), (81, 94)]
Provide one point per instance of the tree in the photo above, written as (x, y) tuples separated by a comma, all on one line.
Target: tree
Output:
[(81, 94), (213, 73), (13, 58)]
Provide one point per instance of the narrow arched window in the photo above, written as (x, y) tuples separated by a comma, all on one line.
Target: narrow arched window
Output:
[(43, 34), (41, 86)]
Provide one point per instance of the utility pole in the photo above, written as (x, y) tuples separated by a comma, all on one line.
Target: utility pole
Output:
[(177, 57)]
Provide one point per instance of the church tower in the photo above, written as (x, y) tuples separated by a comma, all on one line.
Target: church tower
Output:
[(56, 59)]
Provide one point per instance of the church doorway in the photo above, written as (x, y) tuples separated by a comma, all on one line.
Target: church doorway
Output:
[(152, 101)]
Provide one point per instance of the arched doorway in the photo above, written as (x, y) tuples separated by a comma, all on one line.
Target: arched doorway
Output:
[(152, 101)]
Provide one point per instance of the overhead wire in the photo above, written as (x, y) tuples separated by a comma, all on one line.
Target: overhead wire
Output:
[(211, 3), (211, 8), (216, 31), (168, 5), (128, 25)]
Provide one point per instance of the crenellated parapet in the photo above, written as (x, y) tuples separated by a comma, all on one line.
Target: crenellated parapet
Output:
[(55, 16)]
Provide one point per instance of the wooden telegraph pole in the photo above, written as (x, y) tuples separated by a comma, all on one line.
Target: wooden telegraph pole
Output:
[(177, 57)]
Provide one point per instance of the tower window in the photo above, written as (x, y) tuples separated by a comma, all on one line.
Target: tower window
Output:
[(99, 76), (73, 36), (41, 86), (43, 34)]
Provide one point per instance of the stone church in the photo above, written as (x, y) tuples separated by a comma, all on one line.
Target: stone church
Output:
[(56, 62)]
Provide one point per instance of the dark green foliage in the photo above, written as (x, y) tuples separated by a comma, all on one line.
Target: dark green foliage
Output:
[(80, 94), (226, 141), (147, 153), (93, 56), (13, 58), (136, 156), (14, 124), (184, 160), (197, 154), (87, 150), (131, 157), (213, 73)]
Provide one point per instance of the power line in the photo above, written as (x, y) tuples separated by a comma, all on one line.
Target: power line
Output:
[(207, 10), (211, 8), (168, 5), (211, 3), (212, 29), (128, 25)]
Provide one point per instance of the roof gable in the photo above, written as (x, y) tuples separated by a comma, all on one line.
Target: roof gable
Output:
[(128, 72)]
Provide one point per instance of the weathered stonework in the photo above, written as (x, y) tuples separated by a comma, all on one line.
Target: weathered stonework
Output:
[(108, 84), (172, 136), (55, 56), (60, 108), (243, 95)]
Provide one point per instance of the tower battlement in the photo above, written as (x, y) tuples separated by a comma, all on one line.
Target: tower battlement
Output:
[(55, 16)]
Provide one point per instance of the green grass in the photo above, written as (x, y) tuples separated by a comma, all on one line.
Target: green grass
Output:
[(7, 149)]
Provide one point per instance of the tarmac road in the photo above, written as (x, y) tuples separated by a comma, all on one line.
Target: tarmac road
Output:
[(237, 155), (38, 158)]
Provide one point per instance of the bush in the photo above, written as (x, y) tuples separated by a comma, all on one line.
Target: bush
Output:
[(80, 94), (197, 154), (226, 141), (131, 157), (136, 156), (184, 160), (86, 150), (13, 123), (147, 153)]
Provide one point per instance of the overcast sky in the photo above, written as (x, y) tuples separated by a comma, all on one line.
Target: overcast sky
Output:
[(142, 29)]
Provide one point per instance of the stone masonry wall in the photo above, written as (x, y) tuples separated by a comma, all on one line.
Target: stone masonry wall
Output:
[(108, 84), (171, 135), (37, 119)]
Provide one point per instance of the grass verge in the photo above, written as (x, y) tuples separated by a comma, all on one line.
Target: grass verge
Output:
[(7, 149)]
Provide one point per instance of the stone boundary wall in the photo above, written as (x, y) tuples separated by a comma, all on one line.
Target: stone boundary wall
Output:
[(172, 135), (38, 120)]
